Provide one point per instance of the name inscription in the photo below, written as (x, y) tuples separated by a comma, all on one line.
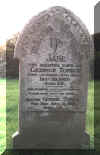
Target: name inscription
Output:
[(53, 85)]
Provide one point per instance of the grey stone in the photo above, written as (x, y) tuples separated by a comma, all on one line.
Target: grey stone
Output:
[(53, 51)]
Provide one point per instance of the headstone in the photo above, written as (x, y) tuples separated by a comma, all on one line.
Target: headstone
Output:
[(53, 52), (97, 18)]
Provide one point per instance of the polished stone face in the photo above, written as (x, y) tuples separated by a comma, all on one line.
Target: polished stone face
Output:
[(53, 51)]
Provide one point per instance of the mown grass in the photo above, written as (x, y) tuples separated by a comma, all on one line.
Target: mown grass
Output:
[(90, 114), (97, 115), (11, 110), (12, 92), (2, 115)]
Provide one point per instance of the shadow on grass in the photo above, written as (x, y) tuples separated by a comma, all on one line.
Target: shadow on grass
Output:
[(49, 152), (97, 115)]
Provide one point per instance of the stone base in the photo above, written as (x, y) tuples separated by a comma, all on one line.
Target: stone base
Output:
[(56, 131), (28, 141)]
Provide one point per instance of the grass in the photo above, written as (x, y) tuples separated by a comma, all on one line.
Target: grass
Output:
[(2, 115), (97, 115), (11, 110), (90, 114), (12, 113)]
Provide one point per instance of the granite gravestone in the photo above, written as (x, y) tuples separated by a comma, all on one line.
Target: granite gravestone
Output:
[(53, 52)]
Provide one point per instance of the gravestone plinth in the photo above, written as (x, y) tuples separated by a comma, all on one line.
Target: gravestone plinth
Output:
[(53, 52)]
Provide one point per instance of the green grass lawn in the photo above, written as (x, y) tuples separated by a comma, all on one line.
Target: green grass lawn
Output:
[(97, 115), (2, 115), (12, 112), (90, 114)]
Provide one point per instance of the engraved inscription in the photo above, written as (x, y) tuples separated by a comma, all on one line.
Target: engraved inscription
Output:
[(55, 43), (50, 86)]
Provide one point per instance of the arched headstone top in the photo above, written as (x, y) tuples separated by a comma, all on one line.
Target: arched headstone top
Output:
[(54, 22), (97, 5)]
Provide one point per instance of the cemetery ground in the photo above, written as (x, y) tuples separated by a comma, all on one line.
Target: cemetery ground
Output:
[(2, 115), (11, 112)]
